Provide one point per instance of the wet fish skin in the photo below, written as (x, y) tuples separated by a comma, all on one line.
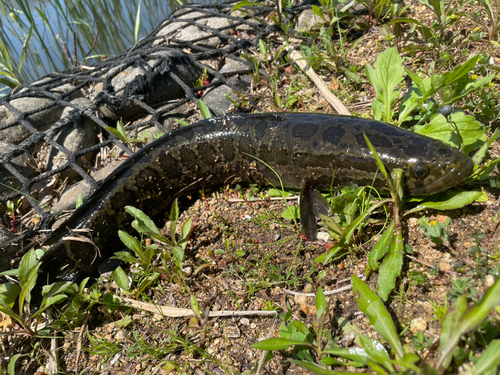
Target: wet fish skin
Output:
[(252, 148)]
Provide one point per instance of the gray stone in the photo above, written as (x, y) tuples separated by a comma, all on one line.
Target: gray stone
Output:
[(246, 27), (183, 31), (24, 164), (78, 135), (215, 97), (307, 20), (167, 119), (232, 66), (68, 199), (41, 120), (163, 88)]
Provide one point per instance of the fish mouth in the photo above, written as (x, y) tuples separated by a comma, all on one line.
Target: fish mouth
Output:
[(450, 179)]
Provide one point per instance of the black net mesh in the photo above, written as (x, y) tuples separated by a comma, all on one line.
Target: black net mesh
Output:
[(55, 131)]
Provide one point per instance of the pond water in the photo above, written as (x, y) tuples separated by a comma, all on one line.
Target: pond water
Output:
[(41, 28)]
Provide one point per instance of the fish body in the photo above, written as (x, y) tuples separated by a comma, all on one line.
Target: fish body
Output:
[(251, 148)]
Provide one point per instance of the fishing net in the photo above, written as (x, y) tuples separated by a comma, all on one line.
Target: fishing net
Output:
[(63, 127)]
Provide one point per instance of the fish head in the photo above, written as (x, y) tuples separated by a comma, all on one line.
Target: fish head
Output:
[(436, 168)]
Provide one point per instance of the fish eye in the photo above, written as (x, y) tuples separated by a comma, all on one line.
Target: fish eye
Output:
[(420, 171)]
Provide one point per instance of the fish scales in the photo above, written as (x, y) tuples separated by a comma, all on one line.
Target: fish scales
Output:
[(250, 148)]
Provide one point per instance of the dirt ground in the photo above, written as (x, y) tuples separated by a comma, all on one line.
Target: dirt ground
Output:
[(254, 260)]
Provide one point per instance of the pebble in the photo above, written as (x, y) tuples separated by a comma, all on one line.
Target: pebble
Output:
[(489, 280), (444, 266), (245, 322), (418, 324)]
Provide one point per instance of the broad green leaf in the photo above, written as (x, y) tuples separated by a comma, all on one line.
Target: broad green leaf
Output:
[(416, 80), (205, 112), (449, 321), (130, 242), (436, 6), (263, 48), (385, 78), (117, 134), (481, 153), (26, 286), (121, 278), (11, 368), (376, 351), (145, 223), (391, 267), (186, 228), (372, 306), (58, 288), (276, 343), (5, 309), (28, 261), (331, 224), (470, 87), (179, 255), (472, 131), (381, 248), (156, 236), (490, 359), (460, 70), (301, 327), (146, 282), (9, 293), (49, 301), (354, 354), (126, 257), (291, 213), (469, 320), (451, 201), (484, 171), (279, 193), (317, 11), (14, 272), (329, 361), (411, 100), (148, 255)]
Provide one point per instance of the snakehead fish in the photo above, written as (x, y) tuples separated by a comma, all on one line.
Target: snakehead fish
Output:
[(303, 149)]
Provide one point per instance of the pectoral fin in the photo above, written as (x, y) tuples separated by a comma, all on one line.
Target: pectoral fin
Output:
[(312, 203)]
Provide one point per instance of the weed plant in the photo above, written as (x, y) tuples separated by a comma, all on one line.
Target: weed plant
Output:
[(406, 93)]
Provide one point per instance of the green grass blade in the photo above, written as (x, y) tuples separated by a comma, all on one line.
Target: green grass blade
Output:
[(137, 22), (277, 343)]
